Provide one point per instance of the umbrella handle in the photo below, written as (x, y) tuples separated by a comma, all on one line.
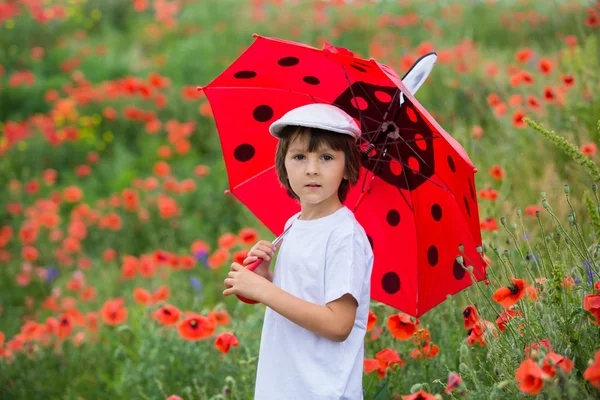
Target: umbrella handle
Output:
[(251, 267)]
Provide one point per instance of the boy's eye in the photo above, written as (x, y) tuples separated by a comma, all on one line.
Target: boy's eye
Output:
[(327, 157)]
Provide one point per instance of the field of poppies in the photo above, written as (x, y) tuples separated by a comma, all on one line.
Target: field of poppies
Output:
[(116, 234)]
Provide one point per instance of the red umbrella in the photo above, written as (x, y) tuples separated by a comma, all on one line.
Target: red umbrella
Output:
[(416, 197)]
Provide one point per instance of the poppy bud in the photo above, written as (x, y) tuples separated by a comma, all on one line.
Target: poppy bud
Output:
[(595, 188), (464, 350), (502, 221), (459, 260), (479, 249), (537, 214), (416, 387), (566, 189), (461, 248), (543, 194), (503, 384), (463, 368), (519, 212), (470, 269), (548, 239), (539, 307), (545, 204)]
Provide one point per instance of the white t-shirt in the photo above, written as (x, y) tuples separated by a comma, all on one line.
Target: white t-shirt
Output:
[(319, 261)]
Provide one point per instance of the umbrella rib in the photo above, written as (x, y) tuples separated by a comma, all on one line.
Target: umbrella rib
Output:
[(252, 177)]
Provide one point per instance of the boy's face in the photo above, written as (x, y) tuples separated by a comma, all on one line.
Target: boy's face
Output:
[(325, 167)]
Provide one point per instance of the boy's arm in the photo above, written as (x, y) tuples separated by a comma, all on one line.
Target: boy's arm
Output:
[(333, 321)]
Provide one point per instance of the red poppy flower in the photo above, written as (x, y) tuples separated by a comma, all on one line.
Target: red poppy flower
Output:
[(421, 337), (568, 80), (196, 327), (427, 351), (504, 317), (385, 359), (497, 172), (401, 326), (591, 303), (248, 236), (161, 294), (470, 317), (549, 94), (529, 375), (224, 342), (167, 315), (553, 360), (220, 317), (592, 373), (544, 342), (141, 296), (454, 380), (65, 326), (533, 102), (420, 395), (588, 149), (507, 296), (372, 321), (546, 66), (489, 224), (518, 120), (113, 312)]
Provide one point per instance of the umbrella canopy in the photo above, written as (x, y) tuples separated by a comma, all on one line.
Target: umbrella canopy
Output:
[(416, 196)]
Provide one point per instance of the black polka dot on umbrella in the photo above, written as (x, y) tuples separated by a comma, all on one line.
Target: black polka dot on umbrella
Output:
[(311, 80), (370, 241), (244, 74), (467, 205), (436, 212), (263, 113), (432, 256), (393, 217), (457, 270), (244, 152), (451, 164), (288, 61), (390, 282), (358, 68), (471, 189)]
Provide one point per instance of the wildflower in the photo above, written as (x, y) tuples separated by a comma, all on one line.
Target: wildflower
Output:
[(428, 351), (481, 331), (497, 172), (224, 342), (544, 342), (167, 315), (470, 317), (508, 295), (161, 294), (248, 236), (113, 311), (518, 119), (591, 374), (454, 380), (545, 66), (420, 395), (401, 326), (556, 360), (421, 337), (504, 317), (588, 149), (529, 375), (591, 303), (196, 327), (220, 317), (141, 296), (227, 241), (372, 321), (385, 359)]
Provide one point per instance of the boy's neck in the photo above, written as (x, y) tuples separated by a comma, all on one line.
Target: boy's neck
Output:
[(310, 214)]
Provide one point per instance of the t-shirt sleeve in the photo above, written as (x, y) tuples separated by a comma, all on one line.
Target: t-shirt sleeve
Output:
[(345, 267)]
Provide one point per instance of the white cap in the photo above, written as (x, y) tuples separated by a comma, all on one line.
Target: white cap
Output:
[(318, 115)]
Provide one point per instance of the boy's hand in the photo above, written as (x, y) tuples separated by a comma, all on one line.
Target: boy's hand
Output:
[(262, 249), (244, 283)]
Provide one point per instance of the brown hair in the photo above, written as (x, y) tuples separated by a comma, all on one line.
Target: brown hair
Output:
[(318, 137)]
